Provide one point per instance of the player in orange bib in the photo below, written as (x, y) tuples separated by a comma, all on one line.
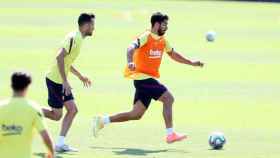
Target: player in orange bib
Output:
[(144, 57)]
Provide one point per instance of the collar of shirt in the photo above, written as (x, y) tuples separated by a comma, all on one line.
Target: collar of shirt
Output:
[(18, 99), (79, 34), (155, 36)]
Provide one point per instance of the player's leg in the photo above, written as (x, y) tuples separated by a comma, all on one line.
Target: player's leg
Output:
[(160, 92), (142, 100), (167, 99), (136, 113), (53, 114), (55, 101), (71, 112)]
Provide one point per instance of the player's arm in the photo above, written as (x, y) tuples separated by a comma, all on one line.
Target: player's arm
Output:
[(181, 59), (60, 62), (48, 142), (40, 126), (130, 52), (61, 67), (178, 57), (139, 42), (86, 81)]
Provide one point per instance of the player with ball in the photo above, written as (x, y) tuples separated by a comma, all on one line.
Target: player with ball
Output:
[(144, 56)]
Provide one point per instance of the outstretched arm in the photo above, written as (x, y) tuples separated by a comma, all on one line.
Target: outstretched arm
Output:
[(86, 81), (181, 59), (75, 72)]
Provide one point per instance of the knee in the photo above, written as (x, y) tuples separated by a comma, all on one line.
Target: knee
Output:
[(134, 116), (171, 99), (57, 116), (168, 100), (73, 111)]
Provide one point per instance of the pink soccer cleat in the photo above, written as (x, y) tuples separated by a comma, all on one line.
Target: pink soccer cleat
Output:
[(174, 137)]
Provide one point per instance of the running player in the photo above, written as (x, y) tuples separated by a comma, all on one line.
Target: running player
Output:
[(59, 89), (144, 57), (18, 118)]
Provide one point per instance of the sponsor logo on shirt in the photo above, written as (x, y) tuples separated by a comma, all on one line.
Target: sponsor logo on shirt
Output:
[(153, 54), (11, 129)]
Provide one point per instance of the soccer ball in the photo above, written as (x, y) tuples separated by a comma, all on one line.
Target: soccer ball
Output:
[(217, 140), (210, 36)]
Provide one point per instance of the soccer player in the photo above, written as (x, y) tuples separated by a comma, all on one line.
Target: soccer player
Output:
[(143, 62), (18, 118), (59, 89)]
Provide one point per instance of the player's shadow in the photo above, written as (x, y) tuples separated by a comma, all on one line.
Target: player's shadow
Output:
[(216, 149), (136, 152), (58, 155)]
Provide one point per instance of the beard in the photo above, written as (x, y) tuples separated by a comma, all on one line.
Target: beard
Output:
[(89, 34), (161, 32)]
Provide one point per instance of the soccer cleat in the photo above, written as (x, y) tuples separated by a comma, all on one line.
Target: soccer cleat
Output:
[(97, 125), (174, 137), (65, 148)]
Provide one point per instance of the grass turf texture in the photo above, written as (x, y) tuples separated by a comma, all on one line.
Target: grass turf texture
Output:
[(237, 92)]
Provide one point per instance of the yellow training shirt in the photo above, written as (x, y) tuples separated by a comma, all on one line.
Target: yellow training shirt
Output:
[(72, 44), (18, 119)]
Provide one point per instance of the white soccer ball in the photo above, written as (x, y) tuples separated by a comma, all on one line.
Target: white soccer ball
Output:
[(210, 36), (217, 140)]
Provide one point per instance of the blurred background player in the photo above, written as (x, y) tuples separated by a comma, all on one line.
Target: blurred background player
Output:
[(59, 89), (18, 118), (144, 57)]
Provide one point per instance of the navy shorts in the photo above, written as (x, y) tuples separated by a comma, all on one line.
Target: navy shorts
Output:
[(56, 97), (148, 89)]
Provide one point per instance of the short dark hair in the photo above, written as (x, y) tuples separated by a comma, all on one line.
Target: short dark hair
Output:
[(85, 18), (20, 80), (158, 17)]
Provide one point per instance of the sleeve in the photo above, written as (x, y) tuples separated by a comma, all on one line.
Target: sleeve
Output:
[(140, 41), (39, 122), (68, 44), (168, 47)]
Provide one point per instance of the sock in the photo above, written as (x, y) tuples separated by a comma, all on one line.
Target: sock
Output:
[(169, 131), (106, 120), (60, 140)]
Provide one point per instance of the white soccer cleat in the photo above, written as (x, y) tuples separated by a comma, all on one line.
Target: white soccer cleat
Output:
[(97, 125), (65, 148)]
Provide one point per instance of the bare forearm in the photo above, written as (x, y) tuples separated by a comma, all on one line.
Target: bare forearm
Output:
[(48, 142), (130, 52), (84, 79), (75, 72), (49, 146), (179, 58)]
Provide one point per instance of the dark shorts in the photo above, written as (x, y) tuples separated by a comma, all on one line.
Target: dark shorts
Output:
[(56, 97), (148, 89)]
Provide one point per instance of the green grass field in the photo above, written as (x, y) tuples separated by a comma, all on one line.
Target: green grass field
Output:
[(237, 92)]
